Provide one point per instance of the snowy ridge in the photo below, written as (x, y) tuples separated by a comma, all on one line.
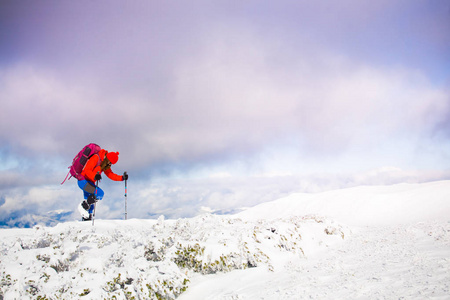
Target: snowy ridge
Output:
[(148, 259), (358, 243), (365, 205)]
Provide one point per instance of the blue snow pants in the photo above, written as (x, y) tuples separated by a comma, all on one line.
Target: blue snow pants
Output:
[(88, 188)]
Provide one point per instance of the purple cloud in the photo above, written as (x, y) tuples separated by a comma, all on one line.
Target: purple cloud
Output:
[(175, 86)]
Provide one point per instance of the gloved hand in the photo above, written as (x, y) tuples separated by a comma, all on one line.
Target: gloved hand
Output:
[(125, 176), (98, 177)]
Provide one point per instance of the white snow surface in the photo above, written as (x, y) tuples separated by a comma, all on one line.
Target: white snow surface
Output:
[(369, 242)]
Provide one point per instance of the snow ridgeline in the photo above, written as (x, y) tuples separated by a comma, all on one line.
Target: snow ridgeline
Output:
[(148, 259)]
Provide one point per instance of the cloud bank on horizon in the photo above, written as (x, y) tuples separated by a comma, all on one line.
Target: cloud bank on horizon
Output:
[(222, 89)]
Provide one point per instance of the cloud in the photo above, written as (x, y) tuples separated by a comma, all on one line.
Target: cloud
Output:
[(40, 110), (241, 89), (184, 197), (187, 197), (226, 100), (207, 86)]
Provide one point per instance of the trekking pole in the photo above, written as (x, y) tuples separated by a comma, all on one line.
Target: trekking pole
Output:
[(95, 203), (126, 213)]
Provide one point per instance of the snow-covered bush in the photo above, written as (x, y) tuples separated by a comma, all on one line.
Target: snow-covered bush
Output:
[(149, 259)]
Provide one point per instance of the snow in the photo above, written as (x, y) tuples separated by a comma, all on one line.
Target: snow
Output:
[(368, 242), (365, 205)]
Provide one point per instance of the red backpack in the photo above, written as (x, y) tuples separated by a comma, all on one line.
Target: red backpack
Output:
[(80, 160)]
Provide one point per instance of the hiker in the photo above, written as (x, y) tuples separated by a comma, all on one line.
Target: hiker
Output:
[(95, 165)]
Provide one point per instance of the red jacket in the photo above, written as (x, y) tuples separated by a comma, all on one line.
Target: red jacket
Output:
[(92, 167)]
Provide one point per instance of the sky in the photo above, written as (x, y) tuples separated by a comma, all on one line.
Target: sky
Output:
[(217, 105)]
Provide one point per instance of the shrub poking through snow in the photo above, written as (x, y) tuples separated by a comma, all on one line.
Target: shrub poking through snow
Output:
[(126, 260), (188, 257)]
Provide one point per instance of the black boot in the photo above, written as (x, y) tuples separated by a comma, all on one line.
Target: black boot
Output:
[(85, 204)]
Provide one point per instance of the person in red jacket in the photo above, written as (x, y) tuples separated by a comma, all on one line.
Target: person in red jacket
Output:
[(92, 171)]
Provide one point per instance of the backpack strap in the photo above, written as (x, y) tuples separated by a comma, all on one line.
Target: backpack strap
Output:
[(67, 176)]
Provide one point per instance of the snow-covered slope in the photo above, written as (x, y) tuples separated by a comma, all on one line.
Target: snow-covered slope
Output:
[(292, 248), (398, 262), (148, 259), (365, 205)]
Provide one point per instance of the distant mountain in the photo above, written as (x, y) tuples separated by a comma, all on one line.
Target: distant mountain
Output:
[(23, 219)]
